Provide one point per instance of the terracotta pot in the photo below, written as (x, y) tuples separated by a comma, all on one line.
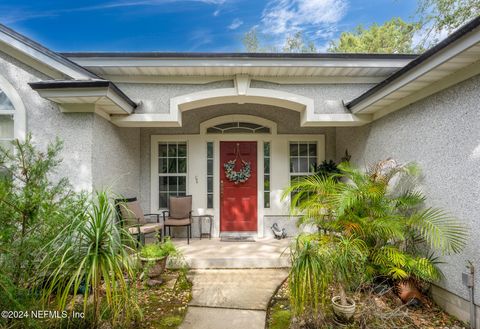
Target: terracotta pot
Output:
[(409, 294), (155, 266), (343, 313)]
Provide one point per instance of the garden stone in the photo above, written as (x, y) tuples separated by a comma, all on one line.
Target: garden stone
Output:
[(154, 282)]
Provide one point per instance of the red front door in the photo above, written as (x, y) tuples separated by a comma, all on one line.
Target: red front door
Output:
[(238, 202)]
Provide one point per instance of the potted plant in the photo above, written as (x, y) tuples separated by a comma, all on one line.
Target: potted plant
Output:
[(154, 257), (348, 257)]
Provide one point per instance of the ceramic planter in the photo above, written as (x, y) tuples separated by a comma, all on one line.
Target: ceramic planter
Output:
[(344, 313), (155, 266)]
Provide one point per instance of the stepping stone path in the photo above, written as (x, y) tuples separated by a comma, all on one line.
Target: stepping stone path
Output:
[(231, 298)]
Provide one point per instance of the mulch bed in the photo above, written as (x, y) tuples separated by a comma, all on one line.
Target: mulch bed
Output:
[(376, 311), (164, 306)]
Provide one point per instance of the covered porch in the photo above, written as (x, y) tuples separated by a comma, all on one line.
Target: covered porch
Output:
[(214, 253)]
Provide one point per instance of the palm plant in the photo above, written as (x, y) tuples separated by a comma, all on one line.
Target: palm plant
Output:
[(92, 251), (348, 258), (384, 208), (309, 276)]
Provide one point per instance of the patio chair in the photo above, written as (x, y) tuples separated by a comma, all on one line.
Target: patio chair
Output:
[(179, 214), (136, 222)]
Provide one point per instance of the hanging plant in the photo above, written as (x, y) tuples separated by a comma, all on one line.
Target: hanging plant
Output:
[(240, 176)]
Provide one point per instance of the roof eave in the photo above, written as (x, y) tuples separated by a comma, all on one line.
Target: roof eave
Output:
[(462, 32), (68, 92), (42, 55)]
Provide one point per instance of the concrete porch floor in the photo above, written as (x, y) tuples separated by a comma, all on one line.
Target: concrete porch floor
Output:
[(263, 253)]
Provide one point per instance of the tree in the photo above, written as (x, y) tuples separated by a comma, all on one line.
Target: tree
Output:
[(250, 41), (254, 42), (445, 16), (33, 208), (393, 37), (297, 43)]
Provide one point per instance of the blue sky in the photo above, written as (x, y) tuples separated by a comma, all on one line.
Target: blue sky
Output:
[(188, 25)]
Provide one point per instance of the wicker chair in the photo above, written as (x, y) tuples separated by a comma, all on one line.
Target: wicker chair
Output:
[(179, 214), (136, 222)]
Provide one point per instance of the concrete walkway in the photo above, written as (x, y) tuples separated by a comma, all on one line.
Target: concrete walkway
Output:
[(233, 281), (231, 298)]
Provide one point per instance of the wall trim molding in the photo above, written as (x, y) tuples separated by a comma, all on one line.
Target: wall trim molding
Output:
[(242, 93), (20, 115)]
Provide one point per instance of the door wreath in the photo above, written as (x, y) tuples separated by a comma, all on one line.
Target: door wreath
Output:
[(240, 176)]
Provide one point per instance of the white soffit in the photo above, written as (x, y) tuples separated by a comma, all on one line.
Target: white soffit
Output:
[(116, 68), (102, 98)]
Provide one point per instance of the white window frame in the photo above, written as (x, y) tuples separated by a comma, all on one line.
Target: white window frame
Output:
[(158, 174), (269, 173), (210, 175), (303, 173), (18, 112)]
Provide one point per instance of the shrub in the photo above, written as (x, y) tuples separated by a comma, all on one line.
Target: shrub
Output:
[(33, 208), (159, 250), (373, 223), (384, 208), (93, 251)]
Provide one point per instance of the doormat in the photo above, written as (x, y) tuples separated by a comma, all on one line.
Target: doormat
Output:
[(237, 239)]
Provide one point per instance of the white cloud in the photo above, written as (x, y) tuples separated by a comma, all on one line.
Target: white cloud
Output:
[(199, 38), (11, 15), (236, 23), (287, 16)]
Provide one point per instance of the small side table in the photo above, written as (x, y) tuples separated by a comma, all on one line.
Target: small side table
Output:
[(210, 223)]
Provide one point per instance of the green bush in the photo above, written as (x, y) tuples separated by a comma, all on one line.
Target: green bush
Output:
[(159, 250), (33, 208), (372, 223), (384, 208)]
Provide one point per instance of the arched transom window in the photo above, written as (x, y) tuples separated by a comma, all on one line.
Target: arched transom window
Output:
[(238, 128), (7, 112)]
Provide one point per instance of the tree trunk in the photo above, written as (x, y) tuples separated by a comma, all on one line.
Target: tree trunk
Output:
[(343, 296)]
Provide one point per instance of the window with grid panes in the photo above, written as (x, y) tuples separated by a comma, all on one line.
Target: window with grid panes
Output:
[(266, 174), (172, 171), (303, 160), (7, 112), (209, 175)]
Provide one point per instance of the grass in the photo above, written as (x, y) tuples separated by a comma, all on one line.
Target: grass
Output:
[(280, 317), (171, 321)]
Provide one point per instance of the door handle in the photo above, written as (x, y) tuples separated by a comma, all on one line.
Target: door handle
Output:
[(221, 189)]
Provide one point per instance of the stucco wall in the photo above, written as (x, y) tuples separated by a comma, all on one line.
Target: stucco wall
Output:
[(156, 97), (46, 122), (116, 158), (442, 134), (153, 97), (320, 93)]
